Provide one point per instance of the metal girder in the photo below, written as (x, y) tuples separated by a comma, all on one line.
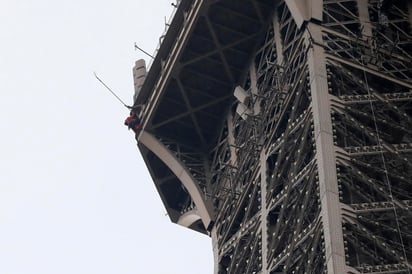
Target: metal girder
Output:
[(192, 115), (369, 70), (219, 50), (225, 47), (334, 246), (377, 206), (302, 10), (179, 169), (189, 217), (154, 99), (211, 103)]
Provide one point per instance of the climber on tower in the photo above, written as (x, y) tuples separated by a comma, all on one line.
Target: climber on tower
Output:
[(133, 122)]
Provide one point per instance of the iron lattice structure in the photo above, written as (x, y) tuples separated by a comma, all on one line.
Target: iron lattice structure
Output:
[(283, 129)]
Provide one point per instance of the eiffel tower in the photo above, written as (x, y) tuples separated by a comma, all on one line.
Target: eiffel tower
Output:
[(283, 130)]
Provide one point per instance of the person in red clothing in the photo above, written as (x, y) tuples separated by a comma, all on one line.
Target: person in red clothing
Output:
[(133, 122)]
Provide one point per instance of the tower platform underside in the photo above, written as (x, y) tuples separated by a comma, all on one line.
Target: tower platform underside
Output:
[(283, 129)]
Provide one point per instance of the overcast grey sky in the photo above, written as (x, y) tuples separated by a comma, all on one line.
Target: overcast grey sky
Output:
[(75, 196)]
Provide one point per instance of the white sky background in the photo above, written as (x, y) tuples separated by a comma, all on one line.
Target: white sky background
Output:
[(75, 195)]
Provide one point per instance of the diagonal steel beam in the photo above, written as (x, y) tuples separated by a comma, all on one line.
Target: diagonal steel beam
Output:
[(191, 112), (211, 103), (223, 48), (220, 51)]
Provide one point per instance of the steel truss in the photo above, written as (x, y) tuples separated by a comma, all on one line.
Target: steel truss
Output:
[(318, 177)]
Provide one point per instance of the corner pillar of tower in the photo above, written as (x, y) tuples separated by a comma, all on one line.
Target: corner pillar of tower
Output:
[(215, 248), (325, 152), (364, 19), (305, 10)]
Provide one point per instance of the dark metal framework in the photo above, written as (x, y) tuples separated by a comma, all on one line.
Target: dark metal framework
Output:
[(310, 170)]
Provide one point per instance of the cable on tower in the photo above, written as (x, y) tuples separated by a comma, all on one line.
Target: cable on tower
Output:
[(112, 92)]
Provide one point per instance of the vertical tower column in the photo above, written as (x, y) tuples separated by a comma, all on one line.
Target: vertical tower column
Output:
[(364, 18), (215, 246), (325, 153), (264, 210), (278, 39)]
